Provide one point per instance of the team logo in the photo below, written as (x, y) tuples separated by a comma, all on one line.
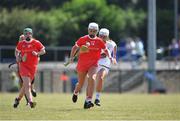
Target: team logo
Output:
[(28, 46), (92, 42)]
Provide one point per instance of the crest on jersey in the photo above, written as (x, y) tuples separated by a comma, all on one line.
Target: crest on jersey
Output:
[(28, 46), (92, 42)]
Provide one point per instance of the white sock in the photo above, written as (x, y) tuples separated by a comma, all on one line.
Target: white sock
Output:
[(88, 99), (75, 93), (98, 95)]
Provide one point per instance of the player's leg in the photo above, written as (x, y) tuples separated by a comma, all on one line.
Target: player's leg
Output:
[(81, 79), (90, 87), (33, 91), (21, 85), (21, 82), (17, 100), (27, 88), (100, 79)]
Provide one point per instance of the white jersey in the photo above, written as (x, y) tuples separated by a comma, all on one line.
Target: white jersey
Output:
[(110, 45), (106, 62)]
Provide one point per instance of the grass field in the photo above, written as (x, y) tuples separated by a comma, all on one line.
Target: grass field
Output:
[(114, 107)]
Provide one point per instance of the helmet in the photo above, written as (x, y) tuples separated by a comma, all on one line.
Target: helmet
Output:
[(93, 25), (104, 32), (27, 30)]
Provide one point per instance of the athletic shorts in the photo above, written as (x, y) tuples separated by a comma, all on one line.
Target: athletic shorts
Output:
[(104, 63), (28, 71), (84, 66)]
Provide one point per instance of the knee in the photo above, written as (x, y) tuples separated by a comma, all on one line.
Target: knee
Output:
[(27, 84), (100, 77), (92, 77)]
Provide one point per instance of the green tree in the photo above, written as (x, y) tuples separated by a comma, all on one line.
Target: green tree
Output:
[(46, 25), (63, 26), (120, 22)]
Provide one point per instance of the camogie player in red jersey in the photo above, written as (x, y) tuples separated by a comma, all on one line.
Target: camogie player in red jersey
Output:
[(33, 91), (27, 55), (90, 48)]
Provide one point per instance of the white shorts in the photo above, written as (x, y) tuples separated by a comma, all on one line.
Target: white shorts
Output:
[(104, 63)]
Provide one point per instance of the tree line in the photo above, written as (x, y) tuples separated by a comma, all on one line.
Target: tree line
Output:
[(62, 22)]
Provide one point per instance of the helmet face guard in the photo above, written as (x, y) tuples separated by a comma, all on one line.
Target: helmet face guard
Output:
[(92, 32), (28, 33), (93, 29)]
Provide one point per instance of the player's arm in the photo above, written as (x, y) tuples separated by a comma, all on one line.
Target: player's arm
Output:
[(74, 51), (104, 48), (107, 53), (41, 52), (114, 54), (18, 52), (17, 55), (76, 48), (41, 49)]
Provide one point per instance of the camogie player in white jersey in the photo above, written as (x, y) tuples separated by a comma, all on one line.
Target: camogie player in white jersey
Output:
[(104, 64)]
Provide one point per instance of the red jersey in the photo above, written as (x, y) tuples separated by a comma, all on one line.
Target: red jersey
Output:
[(26, 49), (95, 45)]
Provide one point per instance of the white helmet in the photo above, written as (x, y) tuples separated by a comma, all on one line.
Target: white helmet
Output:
[(104, 32), (93, 25)]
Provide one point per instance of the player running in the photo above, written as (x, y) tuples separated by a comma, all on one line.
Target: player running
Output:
[(33, 91), (90, 48), (27, 53), (104, 63)]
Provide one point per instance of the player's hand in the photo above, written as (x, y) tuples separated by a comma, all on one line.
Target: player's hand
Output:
[(35, 53), (84, 49), (18, 59), (114, 61), (71, 60)]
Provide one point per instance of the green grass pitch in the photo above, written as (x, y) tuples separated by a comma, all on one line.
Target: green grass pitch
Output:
[(114, 107)]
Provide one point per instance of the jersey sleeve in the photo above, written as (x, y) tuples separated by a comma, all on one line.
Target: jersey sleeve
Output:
[(39, 45), (19, 46), (114, 44), (80, 42)]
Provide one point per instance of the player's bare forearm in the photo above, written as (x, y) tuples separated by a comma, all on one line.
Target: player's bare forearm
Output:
[(17, 55), (73, 51), (73, 55), (42, 52), (114, 55), (115, 51)]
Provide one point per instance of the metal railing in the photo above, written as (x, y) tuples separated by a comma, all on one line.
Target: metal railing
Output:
[(56, 54), (53, 53)]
